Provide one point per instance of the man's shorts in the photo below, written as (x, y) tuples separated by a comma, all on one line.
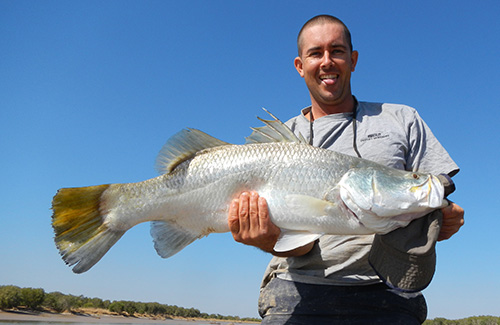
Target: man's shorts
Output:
[(287, 302)]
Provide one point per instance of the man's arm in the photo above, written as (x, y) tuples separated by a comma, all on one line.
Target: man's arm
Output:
[(250, 224), (453, 219)]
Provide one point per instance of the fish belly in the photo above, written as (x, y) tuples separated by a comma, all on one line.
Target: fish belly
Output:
[(198, 192)]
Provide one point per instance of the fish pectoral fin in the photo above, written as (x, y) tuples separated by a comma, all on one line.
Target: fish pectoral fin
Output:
[(169, 239), (305, 205), (302, 205), (292, 239)]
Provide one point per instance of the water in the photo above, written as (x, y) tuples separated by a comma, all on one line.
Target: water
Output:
[(73, 323), (164, 322), (118, 322), (21, 318)]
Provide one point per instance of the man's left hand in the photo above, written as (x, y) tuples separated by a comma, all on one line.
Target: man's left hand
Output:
[(453, 219)]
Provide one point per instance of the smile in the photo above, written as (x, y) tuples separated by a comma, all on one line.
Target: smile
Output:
[(329, 78)]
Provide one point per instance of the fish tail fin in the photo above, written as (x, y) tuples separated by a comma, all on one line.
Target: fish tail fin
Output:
[(81, 235)]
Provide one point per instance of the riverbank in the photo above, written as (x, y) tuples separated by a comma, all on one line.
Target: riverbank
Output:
[(100, 316)]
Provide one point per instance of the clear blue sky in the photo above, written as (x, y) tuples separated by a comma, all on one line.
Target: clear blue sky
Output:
[(91, 90)]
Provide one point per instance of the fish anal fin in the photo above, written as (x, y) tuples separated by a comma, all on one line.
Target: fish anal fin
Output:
[(292, 239), (183, 146), (169, 239)]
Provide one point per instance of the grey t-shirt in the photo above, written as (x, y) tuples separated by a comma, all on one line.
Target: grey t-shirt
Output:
[(390, 134)]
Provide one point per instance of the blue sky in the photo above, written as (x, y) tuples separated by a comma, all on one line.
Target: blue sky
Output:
[(91, 90)]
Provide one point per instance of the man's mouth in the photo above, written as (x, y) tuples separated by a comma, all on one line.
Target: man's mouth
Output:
[(329, 79)]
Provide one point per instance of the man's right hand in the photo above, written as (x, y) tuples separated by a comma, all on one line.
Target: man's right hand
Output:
[(250, 224)]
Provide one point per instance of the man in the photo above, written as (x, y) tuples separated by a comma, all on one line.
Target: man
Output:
[(331, 280)]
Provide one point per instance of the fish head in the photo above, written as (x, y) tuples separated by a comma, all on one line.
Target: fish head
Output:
[(389, 192)]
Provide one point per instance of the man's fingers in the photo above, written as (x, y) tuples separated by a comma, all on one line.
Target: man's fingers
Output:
[(263, 215), (233, 218), (249, 222), (244, 207), (254, 211), (453, 220)]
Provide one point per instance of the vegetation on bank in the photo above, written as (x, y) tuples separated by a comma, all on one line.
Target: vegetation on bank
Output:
[(37, 299), (476, 320)]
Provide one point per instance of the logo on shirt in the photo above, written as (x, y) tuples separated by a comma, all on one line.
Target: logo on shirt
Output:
[(375, 136)]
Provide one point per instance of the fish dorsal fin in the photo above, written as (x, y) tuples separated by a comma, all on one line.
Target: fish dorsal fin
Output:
[(183, 146), (273, 131)]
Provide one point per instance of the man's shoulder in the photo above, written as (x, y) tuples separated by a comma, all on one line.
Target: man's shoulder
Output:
[(390, 107), (300, 117), (391, 110)]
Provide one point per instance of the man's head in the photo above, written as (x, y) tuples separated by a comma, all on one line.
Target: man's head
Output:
[(322, 19), (326, 61)]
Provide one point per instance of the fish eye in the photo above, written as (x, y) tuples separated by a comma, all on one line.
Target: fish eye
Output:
[(415, 176)]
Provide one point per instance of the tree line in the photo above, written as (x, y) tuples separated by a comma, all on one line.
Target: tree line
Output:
[(37, 299), (475, 320)]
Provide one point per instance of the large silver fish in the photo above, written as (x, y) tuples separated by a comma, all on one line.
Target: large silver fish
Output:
[(310, 192)]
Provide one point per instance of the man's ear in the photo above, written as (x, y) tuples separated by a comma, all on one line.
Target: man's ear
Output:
[(298, 66), (354, 60)]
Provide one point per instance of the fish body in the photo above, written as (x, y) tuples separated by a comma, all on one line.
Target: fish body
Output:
[(310, 192)]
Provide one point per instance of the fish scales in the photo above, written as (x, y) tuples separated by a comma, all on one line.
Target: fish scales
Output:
[(202, 188), (310, 192)]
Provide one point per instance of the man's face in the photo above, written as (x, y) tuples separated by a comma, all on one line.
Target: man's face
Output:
[(326, 63)]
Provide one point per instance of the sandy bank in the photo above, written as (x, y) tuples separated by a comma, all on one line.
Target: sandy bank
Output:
[(96, 318)]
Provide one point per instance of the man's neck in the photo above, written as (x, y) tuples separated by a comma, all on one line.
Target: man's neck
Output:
[(318, 110)]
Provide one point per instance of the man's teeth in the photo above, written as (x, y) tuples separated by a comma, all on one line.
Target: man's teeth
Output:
[(329, 76)]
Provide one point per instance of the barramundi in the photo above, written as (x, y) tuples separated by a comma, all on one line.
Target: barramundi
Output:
[(309, 191)]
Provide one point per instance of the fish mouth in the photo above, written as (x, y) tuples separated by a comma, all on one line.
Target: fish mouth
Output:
[(436, 193), (432, 189)]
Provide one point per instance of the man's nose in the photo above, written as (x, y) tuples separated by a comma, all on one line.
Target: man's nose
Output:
[(327, 60)]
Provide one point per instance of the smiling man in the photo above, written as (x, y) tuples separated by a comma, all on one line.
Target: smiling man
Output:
[(350, 279), (325, 61)]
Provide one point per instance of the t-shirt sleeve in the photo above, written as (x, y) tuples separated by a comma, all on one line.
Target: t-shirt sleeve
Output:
[(425, 152)]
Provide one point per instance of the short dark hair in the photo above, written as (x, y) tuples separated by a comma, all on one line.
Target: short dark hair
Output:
[(323, 19)]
